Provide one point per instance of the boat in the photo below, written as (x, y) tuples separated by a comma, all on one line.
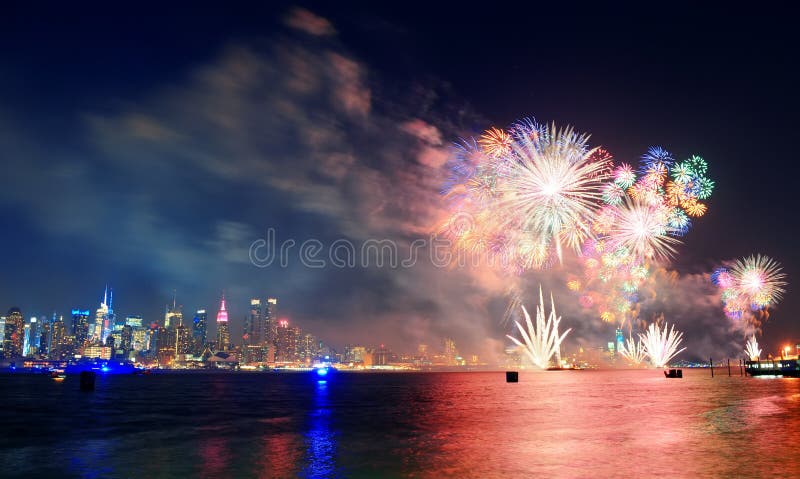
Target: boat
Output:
[(58, 375), (674, 373), (773, 367)]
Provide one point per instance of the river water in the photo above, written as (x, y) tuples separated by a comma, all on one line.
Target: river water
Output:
[(466, 425)]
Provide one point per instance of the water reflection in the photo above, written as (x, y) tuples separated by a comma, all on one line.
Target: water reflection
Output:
[(280, 454), (320, 439), (92, 459), (215, 456)]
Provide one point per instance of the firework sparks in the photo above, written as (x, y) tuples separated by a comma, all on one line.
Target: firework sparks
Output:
[(541, 342), (644, 230), (495, 142), (751, 284), (552, 187), (633, 351), (661, 345), (751, 349), (536, 187)]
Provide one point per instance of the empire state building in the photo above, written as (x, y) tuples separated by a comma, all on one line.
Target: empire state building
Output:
[(223, 333)]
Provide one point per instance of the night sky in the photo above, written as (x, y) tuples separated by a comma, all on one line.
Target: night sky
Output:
[(149, 148)]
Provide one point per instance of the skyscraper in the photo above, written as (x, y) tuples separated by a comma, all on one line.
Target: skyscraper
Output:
[(271, 321), (58, 339), (2, 336), (14, 336), (126, 340), (307, 348), (286, 342), (254, 326), (199, 331), (183, 340), (173, 315), (101, 329), (223, 334), (80, 326), (165, 345), (111, 317), (450, 352), (35, 335), (26, 342), (44, 338)]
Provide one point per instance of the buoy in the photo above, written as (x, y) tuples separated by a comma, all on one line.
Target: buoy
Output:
[(87, 380), (512, 377)]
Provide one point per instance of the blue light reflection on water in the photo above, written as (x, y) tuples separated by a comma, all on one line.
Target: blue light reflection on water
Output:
[(320, 440)]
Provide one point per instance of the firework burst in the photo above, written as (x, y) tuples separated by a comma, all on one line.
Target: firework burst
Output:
[(552, 189), (750, 284), (542, 342), (532, 192), (661, 345)]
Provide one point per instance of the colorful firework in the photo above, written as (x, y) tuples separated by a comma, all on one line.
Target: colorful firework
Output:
[(532, 191), (640, 228), (749, 285), (542, 342), (495, 142), (520, 197)]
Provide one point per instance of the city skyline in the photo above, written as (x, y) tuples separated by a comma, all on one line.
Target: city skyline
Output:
[(44, 335)]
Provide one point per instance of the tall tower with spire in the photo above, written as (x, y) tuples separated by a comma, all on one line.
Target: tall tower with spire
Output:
[(173, 317), (223, 333), (101, 330)]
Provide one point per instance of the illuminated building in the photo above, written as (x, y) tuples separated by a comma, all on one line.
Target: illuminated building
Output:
[(199, 331), (254, 325), (183, 340), (134, 321), (80, 326), (58, 340), (173, 316), (286, 343), (381, 356), (620, 341), (126, 339), (255, 346), (165, 345), (422, 351), (223, 333), (14, 337), (34, 336), (44, 337), (101, 320), (255, 353), (26, 342), (97, 351), (450, 352), (139, 339), (354, 354), (271, 321), (111, 318), (2, 334), (307, 348)]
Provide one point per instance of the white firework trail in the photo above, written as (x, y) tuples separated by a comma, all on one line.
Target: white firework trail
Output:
[(541, 342)]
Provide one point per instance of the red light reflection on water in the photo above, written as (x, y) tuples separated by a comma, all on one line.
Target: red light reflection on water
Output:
[(215, 456)]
